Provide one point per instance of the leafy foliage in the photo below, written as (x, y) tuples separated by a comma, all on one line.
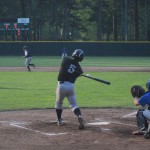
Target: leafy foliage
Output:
[(82, 19)]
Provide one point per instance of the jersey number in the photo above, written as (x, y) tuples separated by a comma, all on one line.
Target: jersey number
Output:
[(71, 68)]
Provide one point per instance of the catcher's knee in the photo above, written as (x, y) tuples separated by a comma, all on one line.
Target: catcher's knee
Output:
[(146, 114), (141, 120)]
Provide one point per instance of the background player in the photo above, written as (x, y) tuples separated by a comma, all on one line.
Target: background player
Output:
[(27, 55), (64, 52), (70, 70)]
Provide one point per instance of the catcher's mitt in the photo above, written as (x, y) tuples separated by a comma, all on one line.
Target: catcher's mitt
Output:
[(137, 91)]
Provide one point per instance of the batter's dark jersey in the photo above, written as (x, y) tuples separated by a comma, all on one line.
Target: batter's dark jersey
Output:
[(28, 54), (70, 70)]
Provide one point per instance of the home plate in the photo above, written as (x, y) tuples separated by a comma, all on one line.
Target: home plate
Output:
[(98, 123)]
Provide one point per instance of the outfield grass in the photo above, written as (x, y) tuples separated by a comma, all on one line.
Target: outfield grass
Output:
[(24, 90), (54, 61)]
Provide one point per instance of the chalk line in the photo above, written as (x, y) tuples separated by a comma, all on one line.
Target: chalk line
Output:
[(102, 122), (99, 123), (36, 131), (129, 115)]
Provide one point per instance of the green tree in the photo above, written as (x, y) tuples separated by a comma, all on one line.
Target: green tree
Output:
[(80, 19)]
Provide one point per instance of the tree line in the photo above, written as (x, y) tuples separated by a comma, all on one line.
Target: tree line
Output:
[(81, 20)]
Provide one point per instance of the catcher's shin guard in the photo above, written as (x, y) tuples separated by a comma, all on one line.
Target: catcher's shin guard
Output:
[(141, 121), (147, 134)]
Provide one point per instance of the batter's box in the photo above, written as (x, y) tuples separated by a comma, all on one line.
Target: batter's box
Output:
[(37, 127)]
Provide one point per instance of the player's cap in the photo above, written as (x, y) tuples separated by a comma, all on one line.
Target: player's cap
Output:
[(78, 54), (25, 47)]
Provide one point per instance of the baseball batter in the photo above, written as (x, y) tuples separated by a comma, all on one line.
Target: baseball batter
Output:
[(27, 55), (70, 70), (142, 98)]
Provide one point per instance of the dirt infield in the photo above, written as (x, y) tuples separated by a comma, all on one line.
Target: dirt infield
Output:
[(105, 129)]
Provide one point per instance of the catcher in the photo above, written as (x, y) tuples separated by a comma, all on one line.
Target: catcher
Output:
[(142, 98)]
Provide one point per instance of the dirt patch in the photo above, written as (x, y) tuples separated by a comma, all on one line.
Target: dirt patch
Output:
[(109, 129), (105, 129)]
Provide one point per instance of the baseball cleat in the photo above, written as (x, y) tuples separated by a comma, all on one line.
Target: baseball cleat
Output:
[(81, 123), (139, 132), (147, 135), (60, 122)]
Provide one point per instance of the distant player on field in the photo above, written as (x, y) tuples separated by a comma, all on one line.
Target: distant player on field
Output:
[(27, 55), (64, 52)]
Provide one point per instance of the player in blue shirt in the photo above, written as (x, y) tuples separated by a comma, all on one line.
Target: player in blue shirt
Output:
[(143, 115)]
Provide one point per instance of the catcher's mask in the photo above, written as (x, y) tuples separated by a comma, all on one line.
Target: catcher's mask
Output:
[(78, 54), (148, 85)]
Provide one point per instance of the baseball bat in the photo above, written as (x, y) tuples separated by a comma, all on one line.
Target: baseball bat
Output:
[(96, 79)]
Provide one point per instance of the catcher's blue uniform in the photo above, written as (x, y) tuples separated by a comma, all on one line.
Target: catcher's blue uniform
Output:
[(145, 102), (143, 114)]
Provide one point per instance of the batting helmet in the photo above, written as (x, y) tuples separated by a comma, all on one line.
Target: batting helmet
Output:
[(78, 54), (148, 85)]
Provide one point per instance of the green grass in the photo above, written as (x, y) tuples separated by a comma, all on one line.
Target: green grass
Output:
[(54, 61), (24, 90), (16, 61)]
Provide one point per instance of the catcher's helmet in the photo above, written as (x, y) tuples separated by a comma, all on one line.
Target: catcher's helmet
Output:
[(78, 54), (148, 84)]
